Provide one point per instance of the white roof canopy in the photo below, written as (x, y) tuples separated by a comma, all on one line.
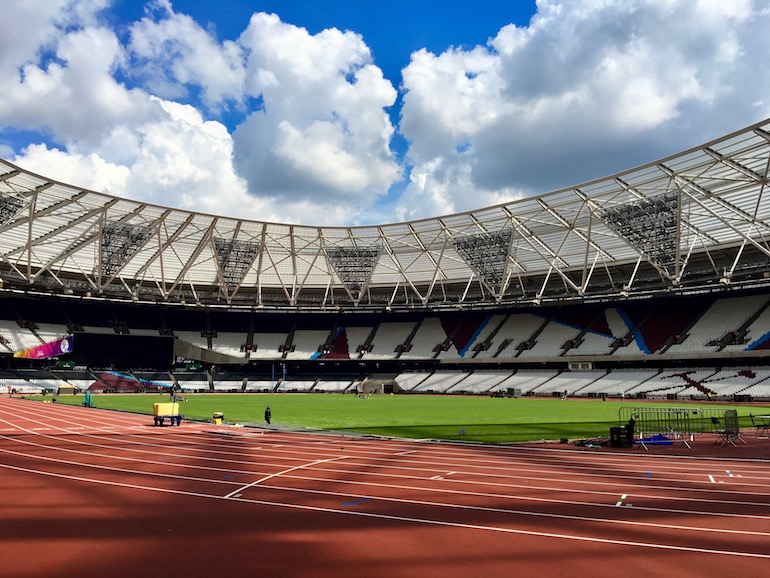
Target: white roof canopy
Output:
[(693, 218)]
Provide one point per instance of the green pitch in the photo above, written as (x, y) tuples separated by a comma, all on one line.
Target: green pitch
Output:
[(482, 419)]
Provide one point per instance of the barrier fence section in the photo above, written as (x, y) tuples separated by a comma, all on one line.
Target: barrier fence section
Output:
[(678, 423)]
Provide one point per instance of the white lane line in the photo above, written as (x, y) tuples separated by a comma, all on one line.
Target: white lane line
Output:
[(478, 493), (357, 483), (299, 467), (442, 476), (382, 498), (438, 465), (465, 492), (347, 512), (56, 411)]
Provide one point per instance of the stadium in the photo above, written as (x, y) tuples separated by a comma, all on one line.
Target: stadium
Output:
[(649, 283), (652, 284)]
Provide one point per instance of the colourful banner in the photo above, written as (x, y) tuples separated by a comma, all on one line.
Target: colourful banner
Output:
[(52, 349)]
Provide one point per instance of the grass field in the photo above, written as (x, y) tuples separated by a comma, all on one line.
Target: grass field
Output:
[(484, 419)]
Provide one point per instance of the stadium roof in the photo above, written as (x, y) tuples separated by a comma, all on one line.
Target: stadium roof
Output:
[(690, 220)]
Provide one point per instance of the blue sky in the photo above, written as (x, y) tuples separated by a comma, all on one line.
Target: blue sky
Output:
[(362, 113)]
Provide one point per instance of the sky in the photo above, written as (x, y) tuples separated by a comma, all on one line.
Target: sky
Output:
[(343, 113)]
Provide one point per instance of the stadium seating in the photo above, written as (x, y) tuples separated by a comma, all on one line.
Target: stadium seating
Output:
[(527, 381), (723, 316), (517, 329), (16, 338), (569, 382), (306, 344), (232, 344), (389, 339), (618, 383), (452, 353), (357, 338), (267, 345), (481, 382), (550, 341), (253, 386), (333, 386), (440, 382), (428, 337)]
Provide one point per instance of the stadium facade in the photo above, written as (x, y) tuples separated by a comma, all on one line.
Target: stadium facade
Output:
[(694, 226)]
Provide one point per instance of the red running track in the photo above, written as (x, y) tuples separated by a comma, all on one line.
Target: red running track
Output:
[(87, 492)]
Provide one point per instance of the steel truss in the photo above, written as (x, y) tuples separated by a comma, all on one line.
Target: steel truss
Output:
[(688, 221)]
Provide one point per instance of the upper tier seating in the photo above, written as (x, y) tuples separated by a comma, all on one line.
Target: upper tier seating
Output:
[(306, 343), (388, 338), (725, 315), (517, 328), (267, 345), (428, 336)]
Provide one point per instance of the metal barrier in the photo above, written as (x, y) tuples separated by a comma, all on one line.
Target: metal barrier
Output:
[(679, 423)]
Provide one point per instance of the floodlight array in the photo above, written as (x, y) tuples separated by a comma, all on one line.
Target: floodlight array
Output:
[(354, 265), (487, 253), (649, 225), (235, 258), (9, 207), (119, 242)]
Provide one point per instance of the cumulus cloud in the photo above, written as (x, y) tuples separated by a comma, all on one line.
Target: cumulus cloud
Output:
[(281, 124), (172, 52), (320, 134), (587, 89), (182, 161), (316, 149), (323, 131)]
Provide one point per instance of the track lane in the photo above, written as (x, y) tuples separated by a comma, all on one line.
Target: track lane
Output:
[(394, 466)]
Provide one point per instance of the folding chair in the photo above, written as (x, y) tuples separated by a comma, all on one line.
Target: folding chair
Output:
[(732, 428), (763, 427), (719, 430)]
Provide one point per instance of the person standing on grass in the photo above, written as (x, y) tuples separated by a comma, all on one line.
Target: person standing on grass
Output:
[(268, 414)]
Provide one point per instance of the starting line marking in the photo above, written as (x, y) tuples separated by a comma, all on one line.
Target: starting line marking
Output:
[(620, 501), (259, 481)]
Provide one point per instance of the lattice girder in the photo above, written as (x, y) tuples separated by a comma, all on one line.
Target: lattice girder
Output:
[(618, 231)]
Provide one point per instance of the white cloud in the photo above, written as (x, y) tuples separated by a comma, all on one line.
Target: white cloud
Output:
[(589, 88), (88, 171), (33, 26), (318, 151), (171, 51), (323, 132), (74, 96)]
